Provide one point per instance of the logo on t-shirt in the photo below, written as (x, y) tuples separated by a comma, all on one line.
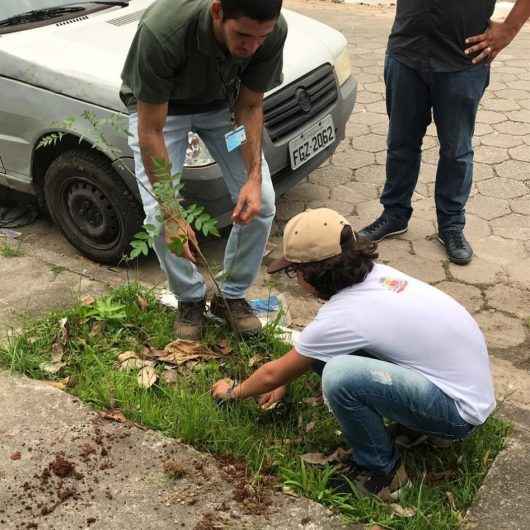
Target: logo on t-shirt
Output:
[(393, 284)]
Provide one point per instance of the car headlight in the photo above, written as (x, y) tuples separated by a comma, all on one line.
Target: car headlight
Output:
[(343, 66), (197, 154)]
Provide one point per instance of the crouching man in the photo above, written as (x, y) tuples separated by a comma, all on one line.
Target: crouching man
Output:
[(391, 346)]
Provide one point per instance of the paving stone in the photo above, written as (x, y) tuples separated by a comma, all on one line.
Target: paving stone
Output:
[(521, 153), (378, 87), (427, 173), (430, 249), (518, 272), (510, 93), (288, 208), (501, 140), (354, 129), (423, 209), (374, 174), (367, 212), (513, 226), (513, 169), (509, 299), (501, 331), (491, 155), (430, 155), (380, 128), (344, 208), (476, 228), (525, 104), (498, 250), (367, 78), (420, 229), (355, 192), (488, 116), (502, 188), (378, 106), (521, 205), (467, 295), (371, 143), (353, 159), (307, 191), (394, 249), (483, 128), (477, 272), (482, 172), (521, 84), (331, 176), (370, 118), (368, 97), (431, 272), (512, 127), (519, 115), (380, 158), (487, 207), (499, 105)]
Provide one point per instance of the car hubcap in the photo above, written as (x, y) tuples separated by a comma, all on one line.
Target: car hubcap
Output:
[(92, 213)]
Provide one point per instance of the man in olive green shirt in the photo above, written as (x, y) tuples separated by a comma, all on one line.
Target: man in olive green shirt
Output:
[(203, 66)]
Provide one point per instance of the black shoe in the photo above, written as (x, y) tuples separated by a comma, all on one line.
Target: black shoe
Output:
[(458, 249), (244, 318), (384, 226), (366, 482), (190, 320)]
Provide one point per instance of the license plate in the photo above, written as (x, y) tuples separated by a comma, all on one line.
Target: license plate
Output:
[(313, 140)]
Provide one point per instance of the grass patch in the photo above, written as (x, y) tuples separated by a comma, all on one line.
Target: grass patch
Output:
[(444, 481), (10, 250)]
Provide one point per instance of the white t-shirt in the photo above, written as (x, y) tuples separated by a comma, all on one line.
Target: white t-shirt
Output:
[(400, 319)]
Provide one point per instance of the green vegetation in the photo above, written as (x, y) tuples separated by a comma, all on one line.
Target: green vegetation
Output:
[(10, 249), (270, 442)]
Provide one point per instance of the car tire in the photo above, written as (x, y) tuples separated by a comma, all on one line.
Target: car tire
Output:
[(91, 205)]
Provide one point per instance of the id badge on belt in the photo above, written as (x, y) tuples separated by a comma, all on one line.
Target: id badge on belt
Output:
[(235, 138)]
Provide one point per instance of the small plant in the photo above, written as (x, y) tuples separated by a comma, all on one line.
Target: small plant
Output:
[(10, 250), (107, 309)]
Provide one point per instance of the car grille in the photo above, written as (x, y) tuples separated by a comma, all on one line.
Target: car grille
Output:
[(294, 105)]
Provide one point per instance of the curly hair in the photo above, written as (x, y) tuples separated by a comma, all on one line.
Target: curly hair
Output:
[(331, 275)]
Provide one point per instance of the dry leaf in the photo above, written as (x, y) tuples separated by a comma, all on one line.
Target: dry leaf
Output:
[(147, 377), (97, 328), (150, 353), (315, 458), (114, 415), (61, 384), (143, 304), (15, 456), (51, 367), (122, 357), (313, 401), (400, 511), (181, 351), (224, 347), (451, 499), (169, 376), (288, 491), (310, 426), (133, 364), (339, 455), (270, 406), (87, 300), (255, 360)]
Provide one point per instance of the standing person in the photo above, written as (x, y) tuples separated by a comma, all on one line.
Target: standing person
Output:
[(203, 66), (390, 345), (437, 64)]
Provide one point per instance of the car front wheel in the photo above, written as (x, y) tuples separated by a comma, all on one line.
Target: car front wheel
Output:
[(92, 205)]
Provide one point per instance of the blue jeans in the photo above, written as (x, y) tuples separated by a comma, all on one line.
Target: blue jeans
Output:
[(361, 391), (412, 97), (246, 244)]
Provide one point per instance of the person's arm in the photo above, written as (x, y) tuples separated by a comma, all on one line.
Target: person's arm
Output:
[(268, 377), (249, 112), (499, 34)]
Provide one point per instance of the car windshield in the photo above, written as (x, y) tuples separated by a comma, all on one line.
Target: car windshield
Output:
[(10, 8)]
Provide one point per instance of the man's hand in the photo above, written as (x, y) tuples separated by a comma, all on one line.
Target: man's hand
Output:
[(490, 43), (268, 400), (181, 230), (248, 203), (221, 390)]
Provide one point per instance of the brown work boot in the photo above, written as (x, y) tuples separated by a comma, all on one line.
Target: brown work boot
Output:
[(190, 320), (244, 318)]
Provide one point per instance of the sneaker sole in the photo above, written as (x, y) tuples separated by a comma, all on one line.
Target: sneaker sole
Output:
[(391, 234), (456, 261)]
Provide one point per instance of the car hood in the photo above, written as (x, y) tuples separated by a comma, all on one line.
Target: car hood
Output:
[(82, 58)]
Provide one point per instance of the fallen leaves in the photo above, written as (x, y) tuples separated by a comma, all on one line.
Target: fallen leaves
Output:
[(401, 511), (15, 456), (147, 377), (340, 455), (58, 349), (181, 351), (87, 300), (60, 384), (143, 304)]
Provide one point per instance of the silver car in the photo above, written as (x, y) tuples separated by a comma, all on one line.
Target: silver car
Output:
[(60, 59)]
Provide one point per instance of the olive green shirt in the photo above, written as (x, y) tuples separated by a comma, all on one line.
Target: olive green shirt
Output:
[(175, 58)]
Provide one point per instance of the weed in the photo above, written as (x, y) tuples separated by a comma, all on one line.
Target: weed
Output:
[(11, 249)]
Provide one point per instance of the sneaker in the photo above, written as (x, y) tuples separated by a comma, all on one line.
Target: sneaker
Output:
[(384, 226), (244, 318), (365, 482), (190, 320), (458, 249)]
